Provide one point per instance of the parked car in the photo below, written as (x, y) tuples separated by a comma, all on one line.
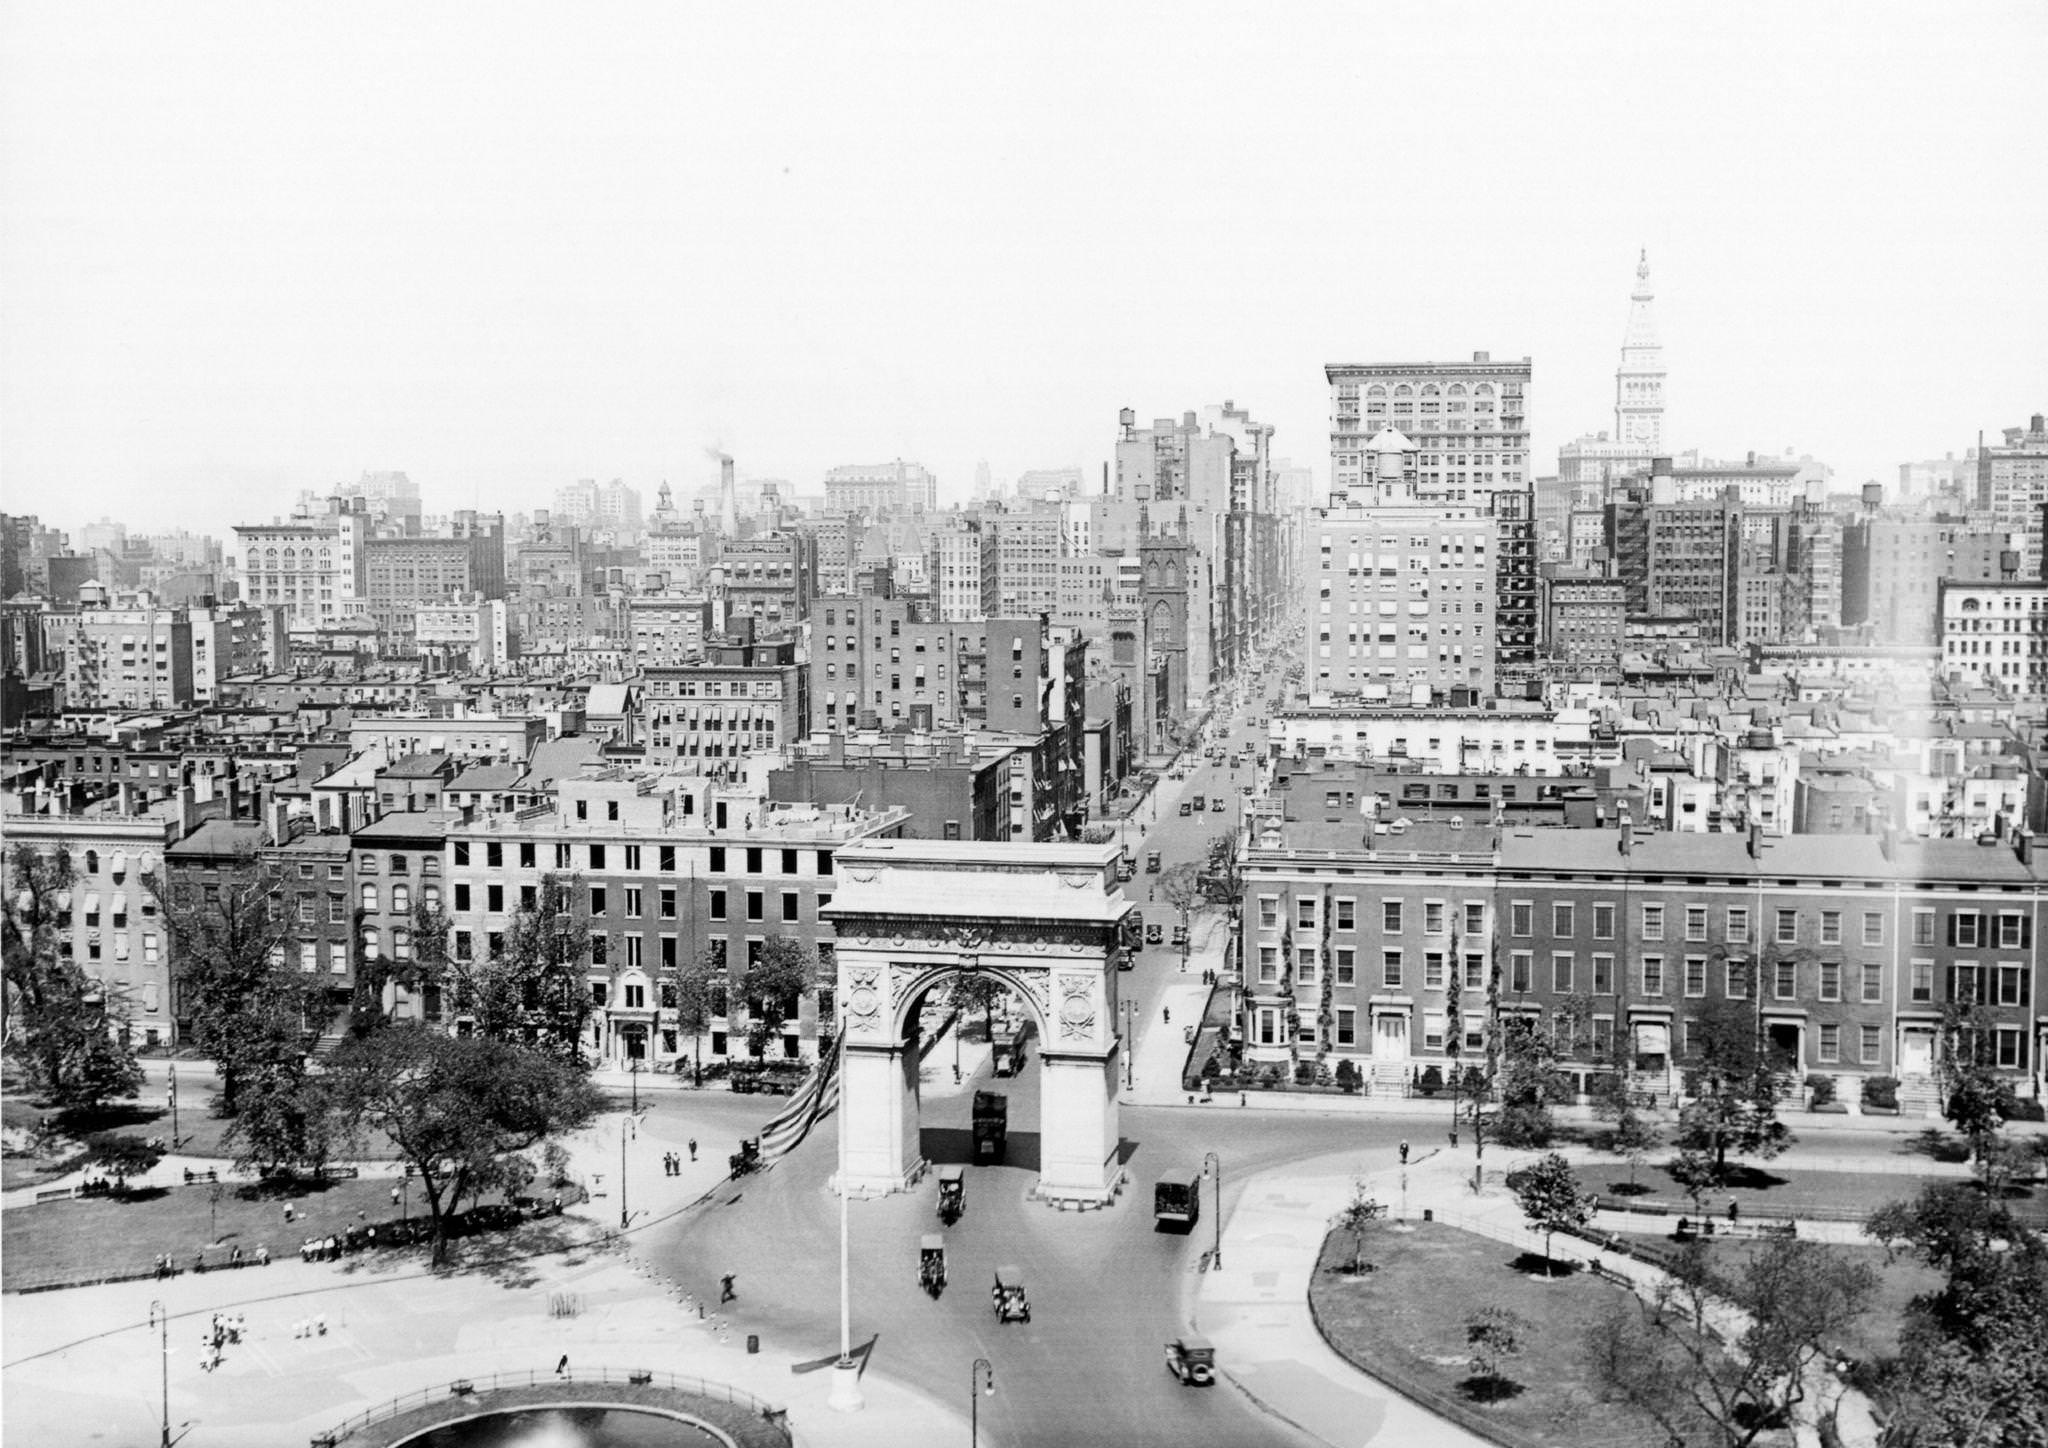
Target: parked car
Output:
[(1155, 934)]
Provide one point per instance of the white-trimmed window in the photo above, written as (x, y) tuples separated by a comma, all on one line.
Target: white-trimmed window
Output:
[(1653, 975), (1653, 922)]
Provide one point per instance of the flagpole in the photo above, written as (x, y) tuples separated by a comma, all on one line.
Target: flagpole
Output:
[(846, 1395)]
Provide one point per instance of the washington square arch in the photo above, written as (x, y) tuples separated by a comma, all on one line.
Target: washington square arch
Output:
[(1045, 921)]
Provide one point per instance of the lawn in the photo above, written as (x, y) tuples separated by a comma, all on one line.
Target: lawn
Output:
[(1898, 1284), (1765, 1191), (1405, 1322)]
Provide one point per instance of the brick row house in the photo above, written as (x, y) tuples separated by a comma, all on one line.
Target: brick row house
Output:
[(661, 870), (1847, 946)]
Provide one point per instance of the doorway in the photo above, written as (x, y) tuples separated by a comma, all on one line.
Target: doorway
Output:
[(1390, 1038)]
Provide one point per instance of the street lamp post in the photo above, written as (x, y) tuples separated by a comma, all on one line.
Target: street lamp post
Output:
[(846, 1395), (1215, 1166), (633, 1070), (629, 1123), (160, 1319), (174, 1106), (981, 1380), (1127, 1005)]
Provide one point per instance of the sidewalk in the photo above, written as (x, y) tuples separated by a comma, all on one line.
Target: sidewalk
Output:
[(80, 1364), (1256, 1310)]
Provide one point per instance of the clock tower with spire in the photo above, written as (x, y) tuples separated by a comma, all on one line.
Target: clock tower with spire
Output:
[(1639, 381)]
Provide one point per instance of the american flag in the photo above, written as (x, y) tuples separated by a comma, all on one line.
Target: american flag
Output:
[(815, 1098)]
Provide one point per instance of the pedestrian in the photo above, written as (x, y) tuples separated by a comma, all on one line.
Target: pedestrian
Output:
[(562, 1367), (394, 1196), (1404, 1153), (1167, 1013), (1240, 1098), (1734, 1211), (288, 1214), (262, 1254), (320, 1323), (725, 1292), (693, 1148)]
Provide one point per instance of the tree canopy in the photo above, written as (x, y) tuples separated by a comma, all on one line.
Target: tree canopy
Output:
[(66, 1029), (1733, 1087), (535, 985), (1552, 1199), (457, 1107)]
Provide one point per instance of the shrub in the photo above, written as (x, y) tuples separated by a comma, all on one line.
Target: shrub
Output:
[(1823, 1089), (1524, 1126), (1347, 1076), (1431, 1081), (1304, 1073), (1881, 1091), (2023, 1108), (1209, 1067)]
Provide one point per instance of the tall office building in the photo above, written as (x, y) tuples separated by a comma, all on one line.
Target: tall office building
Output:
[(1467, 425), (2012, 481), (1638, 435)]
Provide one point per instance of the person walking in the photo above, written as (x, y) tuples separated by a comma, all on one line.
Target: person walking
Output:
[(562, 1367), (394, 1196), (1734, 1211), (693, 1148), (725, 1292)]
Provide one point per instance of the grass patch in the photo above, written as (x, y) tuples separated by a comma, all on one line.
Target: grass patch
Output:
[(1407, 1323), (94, 1237), (1899, 1282)]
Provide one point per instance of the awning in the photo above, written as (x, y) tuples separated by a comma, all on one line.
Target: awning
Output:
[(120, 862), (120, 902), (92, 902), (1653, 1038)]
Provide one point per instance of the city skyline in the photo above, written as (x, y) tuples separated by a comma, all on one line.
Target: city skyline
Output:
[(256, 257)]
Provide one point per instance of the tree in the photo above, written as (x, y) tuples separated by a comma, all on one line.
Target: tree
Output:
[(689, 995), (286, 1122), (248, 1008), (457, 1107), (1550, 1197), (1225, 870), (1529, 1081), (1974, 1096), (1180, 886), (1356, 1219), (1734, 1088), (1970, 1372), (1725, 1360), (60, 1022), (973, 991), (1494, 1335), (535, 987), (776, 981)]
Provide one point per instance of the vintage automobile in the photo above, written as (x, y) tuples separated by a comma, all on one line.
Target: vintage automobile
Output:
[(952, 1194), (1155, 933), (931, 1263), (1186, 808), (747, 1158), (1192, 1360), (1200, 802), (1180, 935), (1007, 1296), (1152, 862), (1218, 805)]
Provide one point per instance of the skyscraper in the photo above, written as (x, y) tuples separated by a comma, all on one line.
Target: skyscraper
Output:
[(1638, 436)]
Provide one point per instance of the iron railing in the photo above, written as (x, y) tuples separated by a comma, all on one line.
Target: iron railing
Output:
[(536, 1377)]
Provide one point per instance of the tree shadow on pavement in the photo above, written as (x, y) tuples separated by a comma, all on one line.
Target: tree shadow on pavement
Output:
[(1478, 1389), (1937, 1144)]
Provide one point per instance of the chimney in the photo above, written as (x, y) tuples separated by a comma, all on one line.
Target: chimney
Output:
[(2023, 839), (277, 821), (188, 811), (1756, 839)]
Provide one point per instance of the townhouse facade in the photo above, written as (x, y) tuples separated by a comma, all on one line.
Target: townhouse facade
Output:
[(1847, 948)]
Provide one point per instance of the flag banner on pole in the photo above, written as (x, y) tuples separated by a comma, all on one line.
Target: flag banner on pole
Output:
[(817, 1096)]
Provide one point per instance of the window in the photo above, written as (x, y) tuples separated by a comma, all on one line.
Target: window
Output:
[(494, 897), (632, 893), (1830, 927), (2015, 931), (1923, 927), (1269, 912), (401, 900), (600, 901), (789, 905), (1561, 921), (1561, 963), (494, 855), (337, 958), (1390, 968), (371, 947), (1475, 917), (1345, 908), (1432, 1030), (1873, 982), (753, 859), (1653, 975), (309, 956), (1966, 928), (1830, 980), (1522, 918), (526, 855), (597, 857), (562, 860), (1347, 965), (1788, 927), (1695, 976), (1269, 964), (1475, 970), (1922, 977), (665, 859), (2010, 1048), (717, 865), (632, 857), (1603, 921), (1521, 967), (1738, 925), (1695, 922), (1305, 912), (1787, 982), (718, 904), (755, 905), (600, 949), (668, 902), (1869, 1045), (369, 897), (1347, 1026), (1873, 927), (2012, 985), (1432, 917), (1830, 1042), (1653, 922), (1390, 917)]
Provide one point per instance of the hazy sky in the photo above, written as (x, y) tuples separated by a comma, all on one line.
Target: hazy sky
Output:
[(247, 249)]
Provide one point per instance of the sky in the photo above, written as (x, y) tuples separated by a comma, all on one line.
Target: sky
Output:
[(248, 249)]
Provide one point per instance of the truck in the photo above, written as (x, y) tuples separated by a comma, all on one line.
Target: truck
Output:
[(1178, 1197), (991, 1125), (1006, 1051)]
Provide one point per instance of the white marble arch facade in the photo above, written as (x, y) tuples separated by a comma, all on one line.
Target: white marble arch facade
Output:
[(1043, 919)]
